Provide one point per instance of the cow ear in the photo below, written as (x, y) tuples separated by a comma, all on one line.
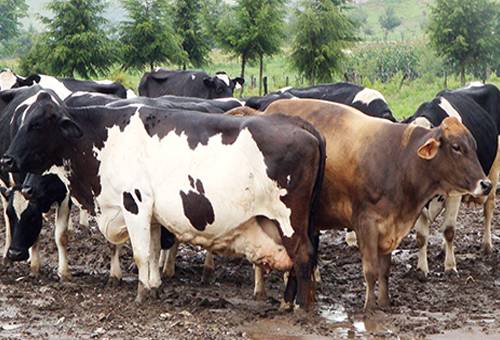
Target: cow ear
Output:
[(209, 82), (69, 128), (239, 80), (6, 96), (429, 149)]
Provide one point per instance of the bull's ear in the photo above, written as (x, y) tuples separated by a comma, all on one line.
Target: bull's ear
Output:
[(429, 149), (209, 82), (69, 128)]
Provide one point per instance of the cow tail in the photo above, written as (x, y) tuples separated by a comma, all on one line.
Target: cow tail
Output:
[(312, 231)]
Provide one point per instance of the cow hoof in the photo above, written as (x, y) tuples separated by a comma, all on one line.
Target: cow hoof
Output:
[(114, 282), (141, 293), (487, 248), (207, 274), (451, 273), (286, 306), (260, 296), (421, 275), (384, 302), (133, 268), (155, 293), (64, 277)]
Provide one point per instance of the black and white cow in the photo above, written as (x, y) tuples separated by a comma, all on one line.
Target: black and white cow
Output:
[(253, 201), (162, 82), (484, 130), (64, 87), (366, 100)]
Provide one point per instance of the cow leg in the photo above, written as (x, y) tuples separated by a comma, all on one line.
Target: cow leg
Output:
[(368, 245), (84, 218), (384, 261), (208, 267), (155, 249), (115, 270), (489, 206), (35, 259), (303, 266), (448, 228), (169, 263), (259, 291), (422, 225), (61, 236), (8, 231)]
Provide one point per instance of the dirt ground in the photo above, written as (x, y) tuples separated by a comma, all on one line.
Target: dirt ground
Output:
[(463, 306)]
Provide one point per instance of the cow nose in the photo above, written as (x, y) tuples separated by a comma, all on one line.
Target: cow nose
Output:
[(8, 163), (27, 192), (486, 186), (17, 255)]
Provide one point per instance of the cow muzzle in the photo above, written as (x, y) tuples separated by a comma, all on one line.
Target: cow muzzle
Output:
[(27, 192), (483, 188), (18, 255), (8, 163)]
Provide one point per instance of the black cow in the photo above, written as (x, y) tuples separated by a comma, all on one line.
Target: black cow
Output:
[(171, 156), (64, 87), (162, 82), (368, 101), (484, 130)]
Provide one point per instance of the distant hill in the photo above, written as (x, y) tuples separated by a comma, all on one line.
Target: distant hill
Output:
[(114, 13)]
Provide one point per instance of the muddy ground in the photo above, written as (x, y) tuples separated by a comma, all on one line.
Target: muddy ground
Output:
[(460, 306)]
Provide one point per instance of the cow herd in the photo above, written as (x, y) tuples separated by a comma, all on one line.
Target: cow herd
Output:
[(186, 162)]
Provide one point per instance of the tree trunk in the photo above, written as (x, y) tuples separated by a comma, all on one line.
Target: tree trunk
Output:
[(242, 75), (445, 79), (184, 66), (462, 74), (261, 71), (152, 66)]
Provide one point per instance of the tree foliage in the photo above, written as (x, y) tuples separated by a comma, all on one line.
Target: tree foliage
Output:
[(322, 33), (75, 42), (11, 11), (389, 21), (187, 24), (466, 33), (147, 36)]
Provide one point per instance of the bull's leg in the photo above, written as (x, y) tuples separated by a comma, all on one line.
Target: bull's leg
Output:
[(489, 206), (84, 218), (448, 228), (35, 259), (368, 245), (115, 270), (169, 263), (61, 236), (259, 291), (208, 267), (384, 261)]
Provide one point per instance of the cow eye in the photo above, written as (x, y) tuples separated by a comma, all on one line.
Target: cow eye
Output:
[(456, 148)]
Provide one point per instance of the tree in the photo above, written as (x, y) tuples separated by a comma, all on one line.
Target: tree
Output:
[(147, 36), (389, 21), (11, 11), (253, 29), (322, 33), (75, 41), (188, 26), (465, 33)]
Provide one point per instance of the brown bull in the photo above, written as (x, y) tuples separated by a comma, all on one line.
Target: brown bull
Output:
[(379, 175)]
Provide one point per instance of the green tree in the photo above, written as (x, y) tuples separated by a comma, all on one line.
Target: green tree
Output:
[(253, 29), (322, 33), (465, 33), (11, 11), (147, 36), (187, 25), (389, 21), (75, 42)]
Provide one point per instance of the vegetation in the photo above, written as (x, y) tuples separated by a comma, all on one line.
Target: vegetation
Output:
[(322, 33), (389, 21), (147, 37), (187, 25), (75, 42), (11, 13), (466, 33)]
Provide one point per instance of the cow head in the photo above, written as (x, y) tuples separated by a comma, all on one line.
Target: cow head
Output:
[(25, 221), (42, 136), (28, 81), (450, 150), (221, 86)]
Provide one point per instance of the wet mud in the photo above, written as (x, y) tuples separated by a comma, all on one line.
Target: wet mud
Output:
[(442, 306)]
